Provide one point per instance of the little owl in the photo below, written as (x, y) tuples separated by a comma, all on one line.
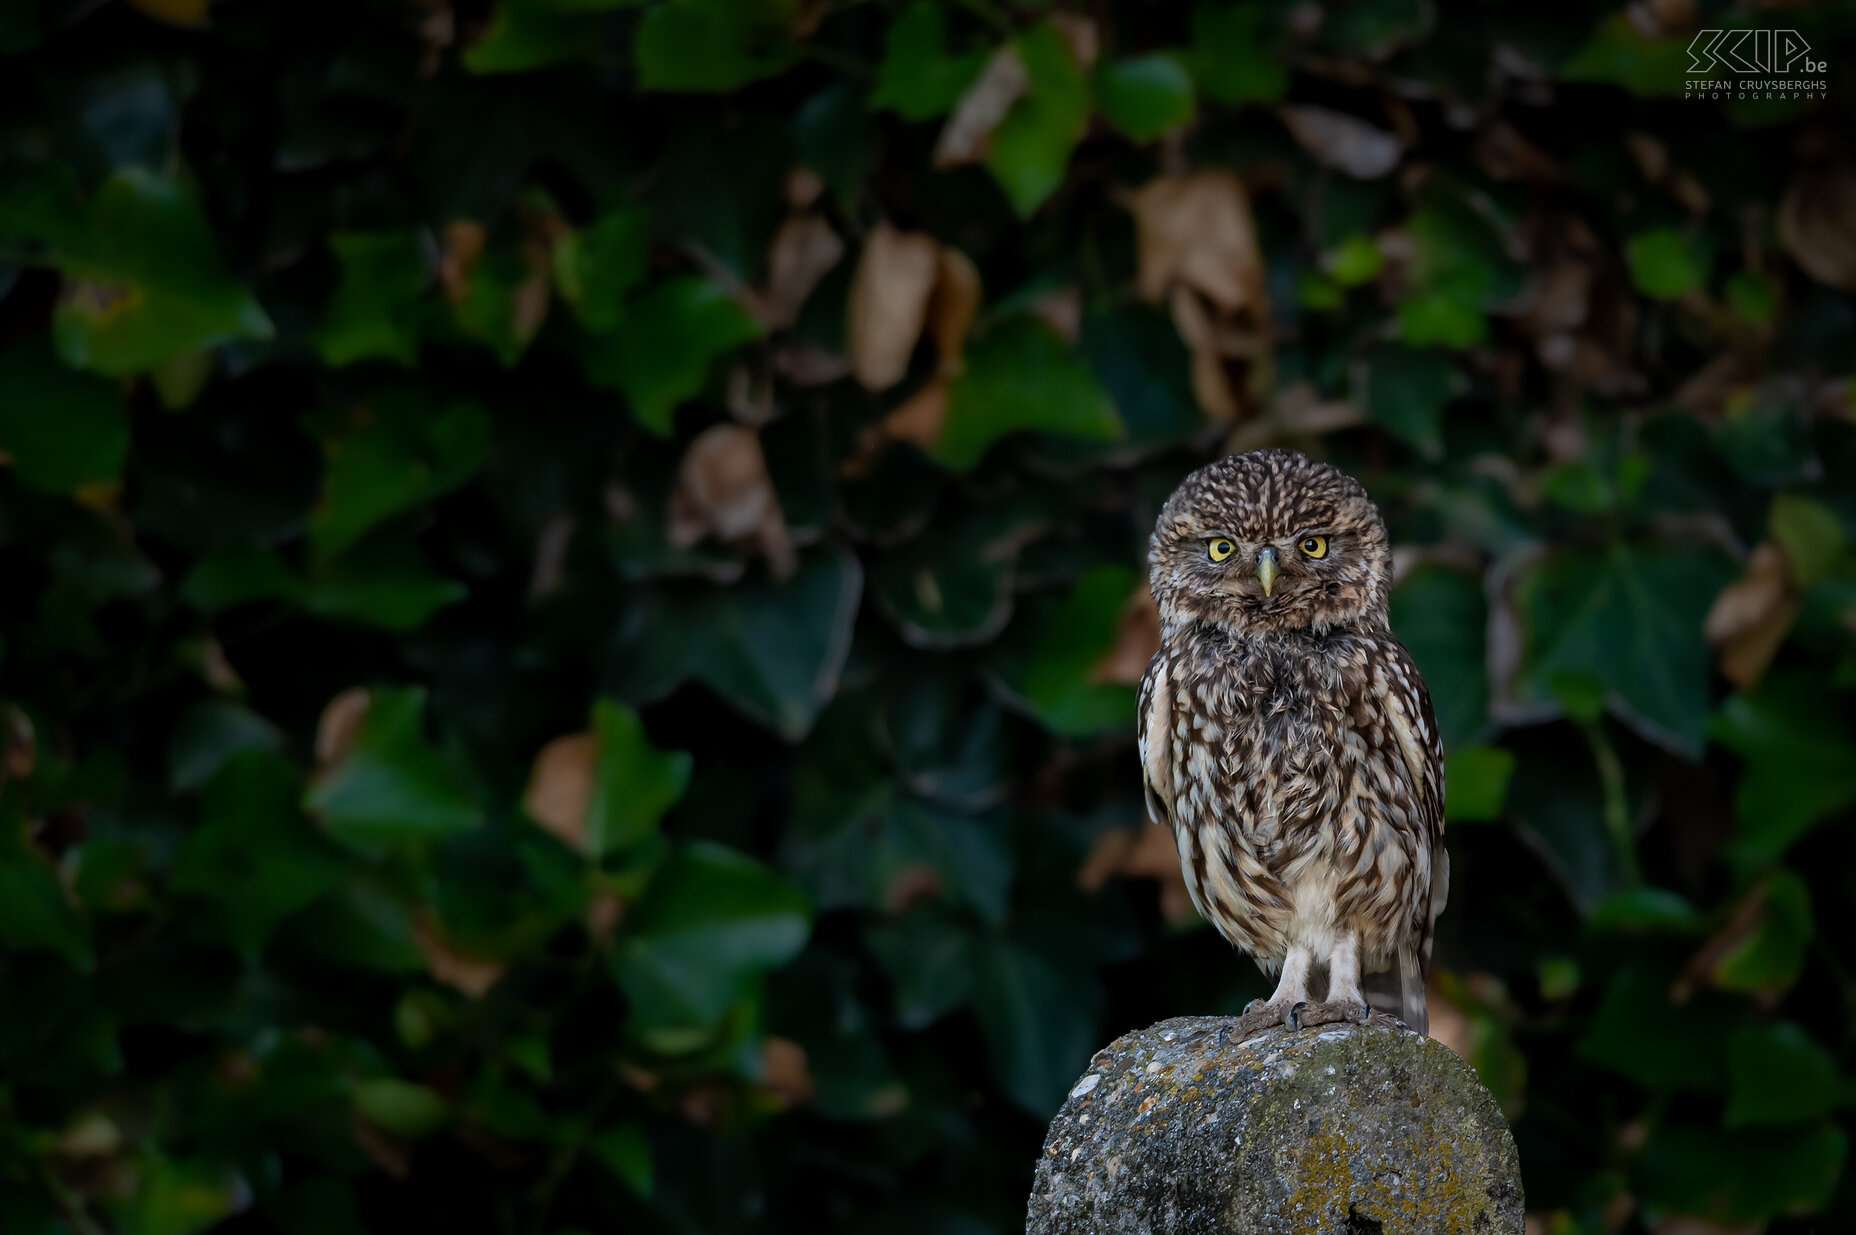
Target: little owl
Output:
[(1288, 739)]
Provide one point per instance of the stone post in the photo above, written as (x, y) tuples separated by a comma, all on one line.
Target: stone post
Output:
[(1182, 1129)]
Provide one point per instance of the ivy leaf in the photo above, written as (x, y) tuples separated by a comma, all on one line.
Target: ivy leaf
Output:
[(1021, 375), (530, 34), (253, 857), (1476, 783), (1663, 264), (1631, 618), (1406, 389), (918, 78), (709, 925), (376, 309), (1236, 54), (1053, 652), (596, 266), (634, 782), (1145, 96), (63, 431), (1040, 1026), (147, 283), (713, 45), (1030, 148), (1441, 616), (391, 453), (1735, 1178), (34, 910), (1771, 955), (1795, 735), (662, 357), (1776, 1074), (772, 649), (393, 786)]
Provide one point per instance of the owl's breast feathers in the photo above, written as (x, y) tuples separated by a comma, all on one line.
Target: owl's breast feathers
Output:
[(1303, 777)]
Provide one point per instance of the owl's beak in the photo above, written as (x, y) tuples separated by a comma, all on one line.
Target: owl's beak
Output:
[(1266, 570)]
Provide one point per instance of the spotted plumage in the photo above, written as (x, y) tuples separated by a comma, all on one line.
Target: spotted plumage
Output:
[(1287, 738)]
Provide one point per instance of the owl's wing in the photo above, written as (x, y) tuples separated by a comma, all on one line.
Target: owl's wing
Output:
[(1154, 713), (1405, 708)]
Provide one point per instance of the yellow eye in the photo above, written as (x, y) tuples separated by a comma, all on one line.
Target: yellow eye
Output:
[(1220, 549), (1315, 546)]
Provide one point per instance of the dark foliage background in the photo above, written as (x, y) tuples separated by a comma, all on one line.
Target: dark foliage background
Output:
[(570, 585)]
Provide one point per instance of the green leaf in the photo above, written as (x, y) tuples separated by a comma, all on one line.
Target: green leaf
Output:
[(1236, 52), (1734, 1178), (391, 453), (253, 857), (918, 78), (955, 589), (376, 309), (627, 1153), (211, 732), (634, 782), (1630, 617), (1459, 271), (393, 786), (1146, 371), (713, 45), (1476, 783), (1640, 1034), (1145, 96), (1754, 296), (181, 1197), (400, 1107), (1355, 261), (61, 431), (1663, 264), (34, 911), (1040, 1027), (1406, 389), (383, 581), (1021, 375), (1620, 54), (710, 924), (930, 957), (1030, 148), (662, 356), (1771, 955), (1441, 616), (1065, 640), (1795, 735), (1645, 909), (1812, 535), (1776, 1074), (531, 34), (147, 283), (505, 299), (596, 266), (772, 649)]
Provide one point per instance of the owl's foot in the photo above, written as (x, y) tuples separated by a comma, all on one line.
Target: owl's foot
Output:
[(1333, 1012), (1260, 1015)]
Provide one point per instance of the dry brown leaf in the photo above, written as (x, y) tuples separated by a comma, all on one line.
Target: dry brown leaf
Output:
[(339, 723), (807, 364), (1345, 143), (560, 787), (1062, 310), (1143, 852), (803, 251), (19, 743), (1135, 642), (474, 975), (963, 139), (1297, 411), (784, 1071), (1447, 1023), (723, 490), (389, 1152), (1081, 34), (551, 545), (1506, 155), (173, 12), (920, 417), (1817, 222), (463, 245), (1753, 614), (1211, 385), (952, 306), (1196, 230), (803, 188), (895, 276), (913, 885), (604, 912)]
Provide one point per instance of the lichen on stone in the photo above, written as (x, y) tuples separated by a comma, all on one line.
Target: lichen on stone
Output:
[(1182, 1129)]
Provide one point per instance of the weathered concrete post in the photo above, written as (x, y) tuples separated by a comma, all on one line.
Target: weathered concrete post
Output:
[(1333, 1130)]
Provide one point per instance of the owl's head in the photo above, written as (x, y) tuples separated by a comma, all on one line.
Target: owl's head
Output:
[(1270, 541)]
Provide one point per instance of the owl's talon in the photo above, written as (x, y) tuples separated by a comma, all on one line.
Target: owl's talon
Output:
[(1335, 1011), (1293, 1018)]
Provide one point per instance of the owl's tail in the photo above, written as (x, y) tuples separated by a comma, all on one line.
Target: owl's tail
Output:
[(1400, 988)]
